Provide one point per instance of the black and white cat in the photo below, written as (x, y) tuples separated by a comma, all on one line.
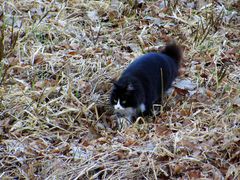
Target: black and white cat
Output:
[(144, 81)]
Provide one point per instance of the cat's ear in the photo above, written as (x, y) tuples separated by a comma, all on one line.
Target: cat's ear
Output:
[(130, 87), (115, 85), (114, 82)]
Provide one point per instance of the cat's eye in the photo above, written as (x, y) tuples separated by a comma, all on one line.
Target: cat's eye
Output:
[(115, 101), (124, 101)]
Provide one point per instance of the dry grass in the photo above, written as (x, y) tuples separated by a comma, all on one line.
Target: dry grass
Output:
[(55, 76)]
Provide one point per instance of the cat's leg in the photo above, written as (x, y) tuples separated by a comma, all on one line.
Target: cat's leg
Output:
[(148, 112), (144, 109)]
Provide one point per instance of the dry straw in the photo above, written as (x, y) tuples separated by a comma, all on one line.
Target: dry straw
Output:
[(57, 61)]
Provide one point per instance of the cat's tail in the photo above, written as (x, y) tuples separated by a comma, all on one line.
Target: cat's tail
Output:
[(174, 51)]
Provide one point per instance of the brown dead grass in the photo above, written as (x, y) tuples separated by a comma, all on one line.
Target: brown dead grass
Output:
[(55, 77)]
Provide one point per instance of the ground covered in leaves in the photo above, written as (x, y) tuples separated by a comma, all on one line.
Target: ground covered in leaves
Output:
[(57, 60)]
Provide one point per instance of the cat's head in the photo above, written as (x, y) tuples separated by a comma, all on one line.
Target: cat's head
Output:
[(124, 95)]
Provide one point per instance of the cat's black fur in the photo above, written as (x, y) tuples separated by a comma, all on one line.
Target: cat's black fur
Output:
[(146, 79)]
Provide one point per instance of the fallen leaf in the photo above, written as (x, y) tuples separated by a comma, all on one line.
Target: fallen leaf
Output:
[(72, 53), (93, 15), (40, 84), (102, 140), (39, 59), (185, 112), (130, 142), (188, 144), (209, 93), (194, 174), (134, 47), (12, 61), (85, 142), (16, 126), (162, 130), (178, 169), (185, 84), (180, 91), (236, 102), (121, 154)]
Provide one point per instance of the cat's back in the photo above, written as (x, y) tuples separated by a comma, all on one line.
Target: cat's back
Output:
[(154, 67), (167, 59), (151, 58), (150, 63)]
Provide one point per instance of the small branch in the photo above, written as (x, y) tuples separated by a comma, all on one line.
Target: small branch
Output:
[(98, 34), (1, 35), (45, 15), (5, 68)]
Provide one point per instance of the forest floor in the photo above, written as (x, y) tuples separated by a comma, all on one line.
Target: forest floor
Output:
[(57, 60)]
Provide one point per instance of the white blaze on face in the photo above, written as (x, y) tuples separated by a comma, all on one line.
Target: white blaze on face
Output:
[(127, 112), (118, 106)]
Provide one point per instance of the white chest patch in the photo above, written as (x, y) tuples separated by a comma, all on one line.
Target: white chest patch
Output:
[(118, 106), (142, 107)]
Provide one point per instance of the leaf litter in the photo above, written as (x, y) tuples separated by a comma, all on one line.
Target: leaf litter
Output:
[(57, 61)]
